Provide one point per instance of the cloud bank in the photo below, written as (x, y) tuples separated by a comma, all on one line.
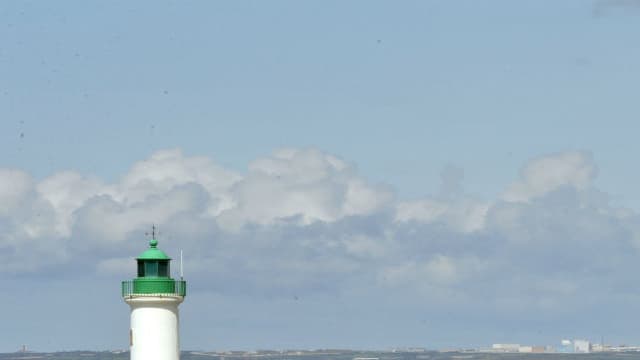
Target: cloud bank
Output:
[(301, 221)]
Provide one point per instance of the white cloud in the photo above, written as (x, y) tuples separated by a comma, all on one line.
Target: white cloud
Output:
[(108, 221), (542, 175), (464, 215), (27, 224), (70, 212), (451, 206), (166, 169), (66, 192), (305, 184), (301, 220), (15, 187)]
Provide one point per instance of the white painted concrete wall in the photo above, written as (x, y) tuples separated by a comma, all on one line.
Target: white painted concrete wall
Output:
[(154, 327)]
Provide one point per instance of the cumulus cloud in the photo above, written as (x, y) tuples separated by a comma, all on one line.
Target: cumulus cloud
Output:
[(26, 224), (166, 169), (80, 213), (15, 187), (304, 221), (450, 206), (65, 192), (305, 185), (465, 215), (542, 175)]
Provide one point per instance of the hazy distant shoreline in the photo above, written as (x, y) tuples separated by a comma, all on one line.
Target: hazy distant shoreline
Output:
[(319, 355)]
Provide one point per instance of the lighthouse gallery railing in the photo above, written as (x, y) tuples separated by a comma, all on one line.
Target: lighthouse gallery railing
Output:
[(168, 287)]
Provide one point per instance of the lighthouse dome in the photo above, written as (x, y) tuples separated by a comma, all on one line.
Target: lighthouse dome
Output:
[(153, 253)]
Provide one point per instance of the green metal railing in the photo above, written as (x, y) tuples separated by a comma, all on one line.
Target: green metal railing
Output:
[(158, 286)]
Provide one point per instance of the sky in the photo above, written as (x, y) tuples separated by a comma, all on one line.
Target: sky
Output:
[(363, 174)]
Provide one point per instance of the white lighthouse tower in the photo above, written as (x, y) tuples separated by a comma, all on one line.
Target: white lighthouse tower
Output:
[(154, 298)]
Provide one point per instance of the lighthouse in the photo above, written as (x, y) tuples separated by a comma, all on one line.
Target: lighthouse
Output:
[(154, 298)]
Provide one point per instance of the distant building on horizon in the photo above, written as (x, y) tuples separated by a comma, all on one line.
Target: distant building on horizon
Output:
[(566, 346), (581, 346), (506, 347)]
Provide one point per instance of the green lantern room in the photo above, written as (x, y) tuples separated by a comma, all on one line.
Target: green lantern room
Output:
[(154, 275), (153, 262)]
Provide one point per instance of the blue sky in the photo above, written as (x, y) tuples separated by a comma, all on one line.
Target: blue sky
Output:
[(407, 154)]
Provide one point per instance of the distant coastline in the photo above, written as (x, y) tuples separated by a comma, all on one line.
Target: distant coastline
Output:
[(413, 354)]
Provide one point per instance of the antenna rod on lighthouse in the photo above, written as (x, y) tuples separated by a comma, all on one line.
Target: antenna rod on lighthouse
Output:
[(181, 268)]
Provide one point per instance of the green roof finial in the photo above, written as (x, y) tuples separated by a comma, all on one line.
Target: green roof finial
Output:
[(153, 243), (153, 253)]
